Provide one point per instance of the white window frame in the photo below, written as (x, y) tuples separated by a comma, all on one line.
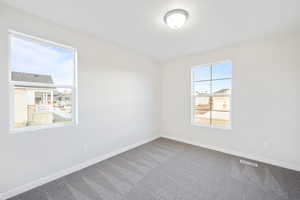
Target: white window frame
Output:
[(13, 84), (210, 125)]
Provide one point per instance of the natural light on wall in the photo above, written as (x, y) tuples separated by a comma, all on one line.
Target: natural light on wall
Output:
[(42, 83), (211, 95)]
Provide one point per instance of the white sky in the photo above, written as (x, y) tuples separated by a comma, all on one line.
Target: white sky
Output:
[(34, 57)]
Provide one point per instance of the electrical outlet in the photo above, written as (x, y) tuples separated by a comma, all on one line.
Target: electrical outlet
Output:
[(85, 148)]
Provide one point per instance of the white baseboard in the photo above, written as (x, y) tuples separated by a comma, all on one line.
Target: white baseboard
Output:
[(285, 165), (44, 180)]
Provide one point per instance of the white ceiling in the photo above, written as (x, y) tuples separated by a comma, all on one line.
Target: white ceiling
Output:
[(138, 24)]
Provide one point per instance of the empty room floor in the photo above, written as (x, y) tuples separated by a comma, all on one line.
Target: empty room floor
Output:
[(167, 170)]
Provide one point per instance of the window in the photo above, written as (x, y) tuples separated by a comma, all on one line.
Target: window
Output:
[(211, 95), (42, 83)]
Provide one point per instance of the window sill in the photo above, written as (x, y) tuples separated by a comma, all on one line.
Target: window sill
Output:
[(211, 127), (42, 127)]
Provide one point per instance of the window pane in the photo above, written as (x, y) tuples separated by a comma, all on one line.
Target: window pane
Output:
[(202, 103), (222, 70), (202, 116), (221, 87), (38, 62), (220, 119), (201, 88), (41, 106), (201, 73), (221, 103)]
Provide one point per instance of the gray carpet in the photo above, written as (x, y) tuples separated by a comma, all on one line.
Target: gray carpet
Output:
[(169, 170)]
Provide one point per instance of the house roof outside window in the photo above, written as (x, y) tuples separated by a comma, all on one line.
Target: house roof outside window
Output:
[(223, 91), (29, 77)]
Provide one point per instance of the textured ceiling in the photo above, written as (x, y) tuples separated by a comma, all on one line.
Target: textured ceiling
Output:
[(138, 24)]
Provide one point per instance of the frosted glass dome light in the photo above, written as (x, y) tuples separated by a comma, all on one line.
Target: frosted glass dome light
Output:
[(175, 19)]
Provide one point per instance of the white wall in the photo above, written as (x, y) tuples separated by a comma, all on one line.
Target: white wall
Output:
[(266, 100), (119, 104)]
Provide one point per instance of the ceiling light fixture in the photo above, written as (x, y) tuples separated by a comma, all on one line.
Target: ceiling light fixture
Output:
[(176, 18)]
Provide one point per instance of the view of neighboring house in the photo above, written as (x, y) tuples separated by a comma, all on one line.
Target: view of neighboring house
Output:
[(220, 107), (39, 105)]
